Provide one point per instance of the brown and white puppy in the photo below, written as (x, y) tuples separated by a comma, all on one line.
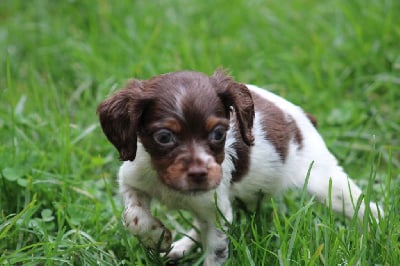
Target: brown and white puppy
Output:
[(185, 137)]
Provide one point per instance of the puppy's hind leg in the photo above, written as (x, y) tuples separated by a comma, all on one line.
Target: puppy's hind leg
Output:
[(332, 187)]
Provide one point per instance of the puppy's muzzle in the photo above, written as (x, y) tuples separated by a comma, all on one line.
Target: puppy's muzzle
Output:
[(188, 174)]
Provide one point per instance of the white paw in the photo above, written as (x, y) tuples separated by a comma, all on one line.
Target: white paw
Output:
[(180, 248)]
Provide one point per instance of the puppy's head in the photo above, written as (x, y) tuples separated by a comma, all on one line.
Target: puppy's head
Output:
[(182, 119)]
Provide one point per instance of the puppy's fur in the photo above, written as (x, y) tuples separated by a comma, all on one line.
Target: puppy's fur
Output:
[(185, 137)]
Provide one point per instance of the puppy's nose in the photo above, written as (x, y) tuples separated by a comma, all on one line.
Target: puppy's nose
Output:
[(197, 173)]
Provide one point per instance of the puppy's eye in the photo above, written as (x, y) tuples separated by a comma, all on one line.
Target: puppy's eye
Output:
[(218, 134), (164, 137)]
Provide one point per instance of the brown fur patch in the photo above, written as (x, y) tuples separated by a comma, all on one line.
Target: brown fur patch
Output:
[(312, 119), (242, 159), (280, 128)]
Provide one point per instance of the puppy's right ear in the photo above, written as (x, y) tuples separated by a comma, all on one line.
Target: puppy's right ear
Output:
[(120, 116)]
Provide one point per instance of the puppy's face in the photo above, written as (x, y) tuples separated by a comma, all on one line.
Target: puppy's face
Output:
[(184, 131), (182, 120)]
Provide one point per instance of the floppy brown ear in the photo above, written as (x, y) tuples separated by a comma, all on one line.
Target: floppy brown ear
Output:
[(120, 116), (238, 96)]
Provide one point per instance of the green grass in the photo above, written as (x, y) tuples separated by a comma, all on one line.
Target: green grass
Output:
[(59, 205)]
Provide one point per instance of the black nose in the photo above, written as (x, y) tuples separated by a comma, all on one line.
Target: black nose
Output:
[(197, 173)]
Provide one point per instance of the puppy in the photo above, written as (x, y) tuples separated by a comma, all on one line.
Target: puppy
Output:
[(198, 142)]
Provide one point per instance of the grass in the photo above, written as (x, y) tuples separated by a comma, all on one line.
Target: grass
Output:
[(59, 205)]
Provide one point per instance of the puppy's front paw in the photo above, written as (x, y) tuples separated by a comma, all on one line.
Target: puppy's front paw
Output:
[(158, 237), (150, 231), (180, 248)]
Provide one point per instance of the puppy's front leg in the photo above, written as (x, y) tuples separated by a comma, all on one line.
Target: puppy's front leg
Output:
[(140, 222), (216, 247), (185, 244), (215, 241)]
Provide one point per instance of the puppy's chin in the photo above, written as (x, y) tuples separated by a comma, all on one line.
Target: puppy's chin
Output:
[(192, 189), (196, 192)]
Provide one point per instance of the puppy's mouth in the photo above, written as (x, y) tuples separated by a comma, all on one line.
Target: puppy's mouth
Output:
[(183, 185)]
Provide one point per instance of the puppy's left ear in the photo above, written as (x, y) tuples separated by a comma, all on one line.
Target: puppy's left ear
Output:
[(238, 96)]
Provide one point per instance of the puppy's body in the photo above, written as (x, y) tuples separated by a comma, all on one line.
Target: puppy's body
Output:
[(182, 161)]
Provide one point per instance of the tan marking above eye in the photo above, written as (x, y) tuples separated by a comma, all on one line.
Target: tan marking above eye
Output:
[(213, 121), (170, 123)]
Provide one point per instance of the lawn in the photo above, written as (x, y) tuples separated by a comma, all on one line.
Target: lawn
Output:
[(339, 60)]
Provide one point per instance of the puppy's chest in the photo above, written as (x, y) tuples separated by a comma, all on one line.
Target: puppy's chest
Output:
[(200, 204)]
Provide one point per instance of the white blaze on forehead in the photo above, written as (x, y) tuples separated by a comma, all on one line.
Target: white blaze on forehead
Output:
[(201, 154), (180, 94)]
